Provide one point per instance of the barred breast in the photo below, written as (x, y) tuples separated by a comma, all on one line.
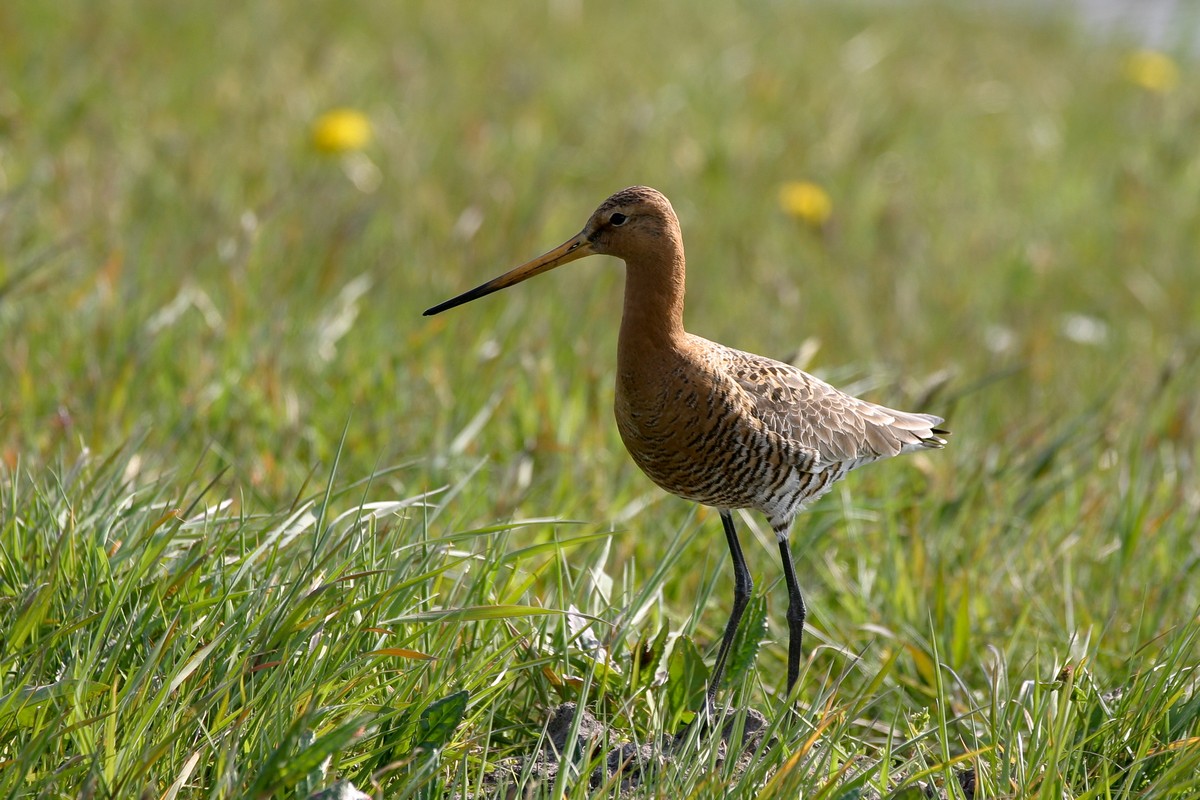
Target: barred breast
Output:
[(731, 429)]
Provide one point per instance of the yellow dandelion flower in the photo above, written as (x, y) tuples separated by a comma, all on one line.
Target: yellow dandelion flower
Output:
[(806, 201), (341, 130), (1152, 70)]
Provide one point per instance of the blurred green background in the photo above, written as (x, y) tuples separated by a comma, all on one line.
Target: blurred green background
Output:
[(179, 262)]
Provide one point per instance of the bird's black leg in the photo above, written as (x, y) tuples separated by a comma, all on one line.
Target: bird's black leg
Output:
[(795, 613), (743, 585)]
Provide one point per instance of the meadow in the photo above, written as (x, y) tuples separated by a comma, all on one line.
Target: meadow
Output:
[(266, 531)]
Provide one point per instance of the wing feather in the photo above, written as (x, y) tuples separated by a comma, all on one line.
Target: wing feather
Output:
[(822, 422)]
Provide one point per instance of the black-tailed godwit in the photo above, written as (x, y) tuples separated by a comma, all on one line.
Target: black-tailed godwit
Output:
[(712, 424)]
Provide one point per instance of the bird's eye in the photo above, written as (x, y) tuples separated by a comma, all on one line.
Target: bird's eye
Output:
[(617, 220)]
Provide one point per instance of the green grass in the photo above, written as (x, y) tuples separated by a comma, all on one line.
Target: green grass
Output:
[(262, 525)]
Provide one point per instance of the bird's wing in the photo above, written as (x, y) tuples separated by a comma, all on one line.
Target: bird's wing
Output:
[(820, 419)]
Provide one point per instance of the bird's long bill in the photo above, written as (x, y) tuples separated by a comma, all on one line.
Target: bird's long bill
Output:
[(570, 250)]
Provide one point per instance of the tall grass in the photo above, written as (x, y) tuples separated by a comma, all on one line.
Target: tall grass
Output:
[(264, 528)]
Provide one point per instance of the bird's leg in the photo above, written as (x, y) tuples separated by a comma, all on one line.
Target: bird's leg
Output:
[(795, 612), (743, 585)]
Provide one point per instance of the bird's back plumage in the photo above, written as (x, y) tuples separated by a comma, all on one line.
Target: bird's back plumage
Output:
[(732, 429)]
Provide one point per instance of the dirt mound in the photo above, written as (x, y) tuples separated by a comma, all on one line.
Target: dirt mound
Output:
[(629, 763)]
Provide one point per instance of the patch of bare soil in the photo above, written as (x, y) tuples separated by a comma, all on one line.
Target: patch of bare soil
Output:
[(627, 764), (630, 765)]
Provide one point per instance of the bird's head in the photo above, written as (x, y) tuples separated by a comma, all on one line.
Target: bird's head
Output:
[(633, 223)]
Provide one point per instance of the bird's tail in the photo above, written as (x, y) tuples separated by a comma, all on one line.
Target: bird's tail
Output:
[(925, 428)]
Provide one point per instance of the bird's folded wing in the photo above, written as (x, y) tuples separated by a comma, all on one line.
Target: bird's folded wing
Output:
[(821, 420)]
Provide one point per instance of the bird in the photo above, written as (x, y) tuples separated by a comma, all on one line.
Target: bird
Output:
[(721, 427)]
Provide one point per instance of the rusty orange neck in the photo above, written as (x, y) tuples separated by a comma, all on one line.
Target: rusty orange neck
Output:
[(653, 317)]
